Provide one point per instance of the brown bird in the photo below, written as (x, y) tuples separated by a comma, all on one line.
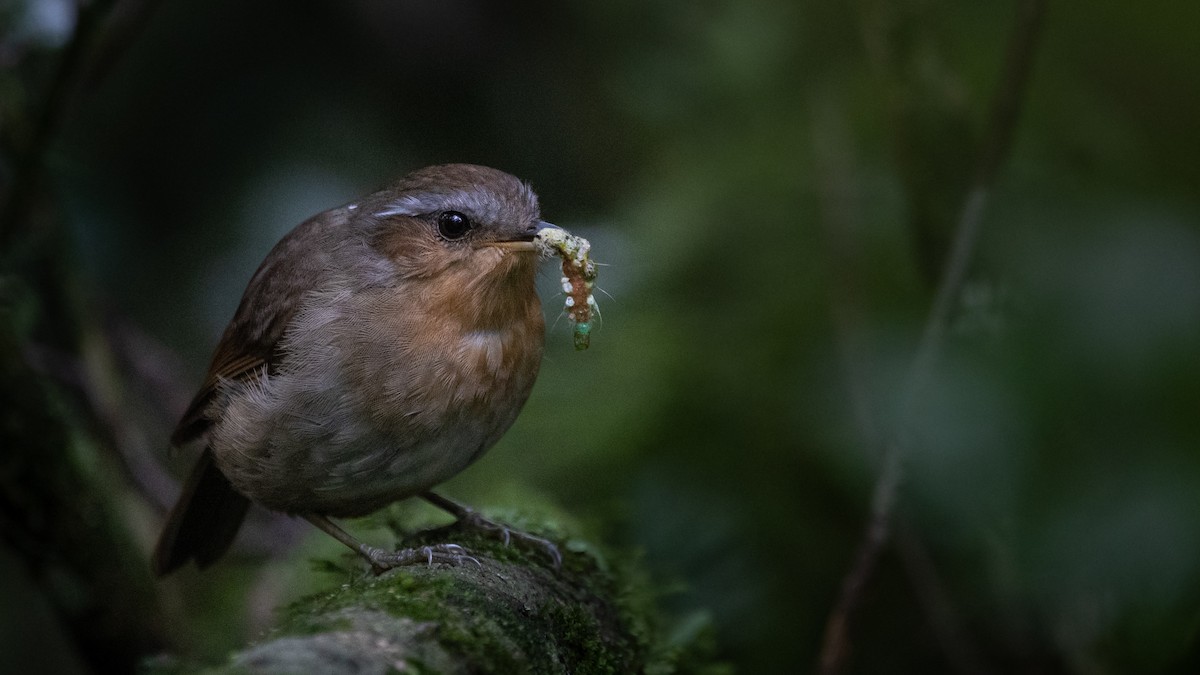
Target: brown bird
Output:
[(380, 348)]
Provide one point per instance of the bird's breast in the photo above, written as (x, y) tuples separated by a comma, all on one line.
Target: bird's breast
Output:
[(429, 367), (381, 395)]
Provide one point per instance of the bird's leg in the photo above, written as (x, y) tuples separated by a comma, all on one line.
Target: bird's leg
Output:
[(471, 518), (382, 560)]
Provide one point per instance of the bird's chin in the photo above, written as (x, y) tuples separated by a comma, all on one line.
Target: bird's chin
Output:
[(499, 263)]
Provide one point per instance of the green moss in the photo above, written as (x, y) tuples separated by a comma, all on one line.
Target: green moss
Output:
[(515, 612)]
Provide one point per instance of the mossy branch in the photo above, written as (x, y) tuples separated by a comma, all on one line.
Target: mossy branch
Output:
[(513, 612)]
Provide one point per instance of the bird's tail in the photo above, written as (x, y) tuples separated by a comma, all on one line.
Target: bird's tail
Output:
[(204, 521)]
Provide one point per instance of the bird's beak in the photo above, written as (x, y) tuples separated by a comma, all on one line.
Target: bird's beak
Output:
[(525, 241), (517, 245)]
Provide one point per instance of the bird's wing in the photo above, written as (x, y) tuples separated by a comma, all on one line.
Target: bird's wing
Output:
[(298, 264)]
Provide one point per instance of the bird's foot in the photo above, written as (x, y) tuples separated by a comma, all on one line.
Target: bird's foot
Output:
[(471, 518), (450, 554), (507, 535)]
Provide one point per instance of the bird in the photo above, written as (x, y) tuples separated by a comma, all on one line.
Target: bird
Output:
[(380, 348)]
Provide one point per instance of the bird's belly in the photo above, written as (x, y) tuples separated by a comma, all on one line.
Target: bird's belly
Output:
[(351, 443), (379, 467)]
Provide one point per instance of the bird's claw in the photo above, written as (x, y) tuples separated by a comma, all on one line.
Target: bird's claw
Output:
[(507, 535), (450, 554)]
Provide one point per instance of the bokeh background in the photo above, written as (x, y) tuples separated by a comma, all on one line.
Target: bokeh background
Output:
[(774, 186)]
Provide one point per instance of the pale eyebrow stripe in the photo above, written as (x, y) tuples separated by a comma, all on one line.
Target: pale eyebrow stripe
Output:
[(394, 211), (410, 206)]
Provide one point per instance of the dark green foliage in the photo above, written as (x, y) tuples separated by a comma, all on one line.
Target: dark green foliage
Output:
[(772, 185)]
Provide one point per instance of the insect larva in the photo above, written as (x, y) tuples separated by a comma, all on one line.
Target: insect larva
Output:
[(579, 277)]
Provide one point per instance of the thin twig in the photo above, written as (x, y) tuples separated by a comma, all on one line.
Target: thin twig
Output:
[(841, 227), (835, 646), (960, 651), (998, 140), (839, 220)]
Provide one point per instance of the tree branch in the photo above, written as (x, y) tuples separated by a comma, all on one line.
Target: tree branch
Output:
[(997, 143), (507, 609)]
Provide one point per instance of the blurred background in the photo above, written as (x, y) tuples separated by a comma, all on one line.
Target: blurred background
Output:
[(774, 186)]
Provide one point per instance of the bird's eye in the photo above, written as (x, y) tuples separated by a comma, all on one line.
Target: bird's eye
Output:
[(453, 225)]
